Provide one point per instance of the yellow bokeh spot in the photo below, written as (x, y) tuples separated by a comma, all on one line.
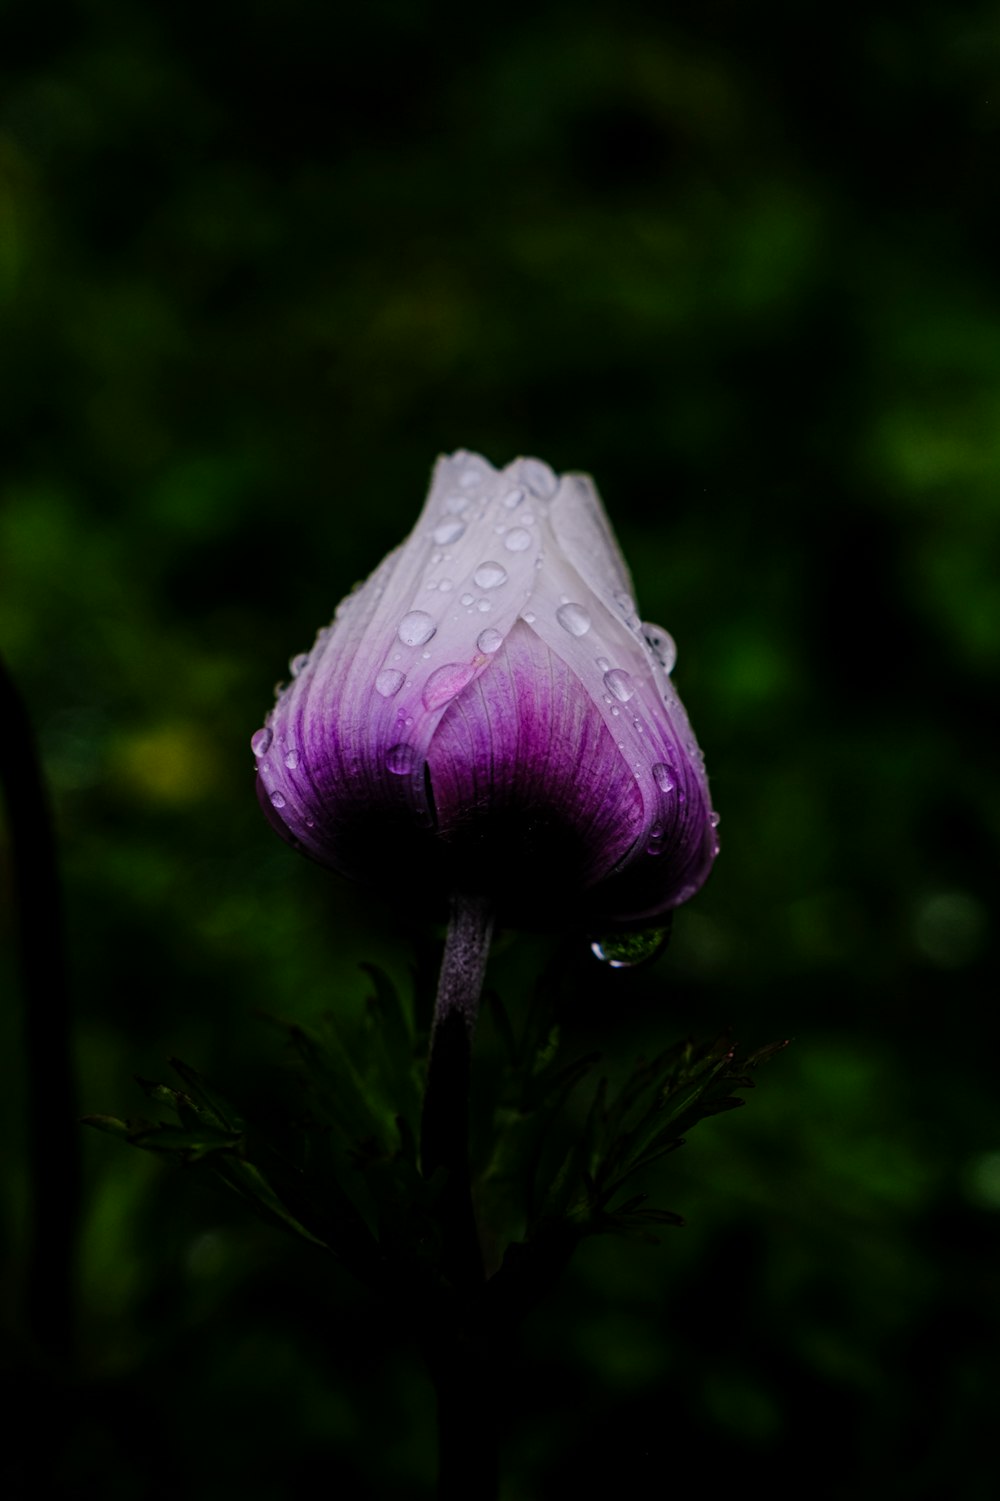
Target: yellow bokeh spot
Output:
[(173, 763)]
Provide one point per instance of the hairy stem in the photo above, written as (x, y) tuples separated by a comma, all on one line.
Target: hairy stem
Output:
[(459, 1359)]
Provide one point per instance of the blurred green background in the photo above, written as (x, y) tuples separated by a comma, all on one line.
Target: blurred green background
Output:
[(259, 264)]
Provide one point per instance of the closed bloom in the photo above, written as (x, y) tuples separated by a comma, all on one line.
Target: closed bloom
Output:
[(488, 714)]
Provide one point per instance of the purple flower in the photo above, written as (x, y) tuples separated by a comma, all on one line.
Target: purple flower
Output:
[(487, 714)]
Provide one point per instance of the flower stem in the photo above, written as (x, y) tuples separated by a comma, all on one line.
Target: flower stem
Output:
[(53, 1134), (444, 1128), (458, 1354)]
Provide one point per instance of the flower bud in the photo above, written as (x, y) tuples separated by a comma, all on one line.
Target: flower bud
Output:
[(488, 714)]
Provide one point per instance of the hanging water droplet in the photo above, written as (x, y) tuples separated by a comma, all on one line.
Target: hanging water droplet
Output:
[(490, 575), (445, 682), (661, 644), (573, 618), (296, 665), (618, 682), (517, 539), (662, 777), (513, 498), (277, 800), (489, 641), (292, 759), (416, 628), (279, 687), (389, 681), (260, 742), (625, 950), (400, 759), (714, 820), (448, 532)]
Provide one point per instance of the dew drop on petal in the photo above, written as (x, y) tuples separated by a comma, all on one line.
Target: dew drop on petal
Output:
[(277, 800), (389, 681), (517, 539), (456, 504), (467, 599), (513, 498), (573, 618), (528, 617), (260, 742), (446, 586), (603, 664), (661, 644), (714, 820), (625, 950), (292, 759), (416, 628), (618, 682), (662, 777), (449, 531), (400, 759), (297, 663), (490, 575), (489, 641), (445, 682)]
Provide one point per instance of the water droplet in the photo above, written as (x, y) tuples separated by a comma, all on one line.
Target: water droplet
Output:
[(279, 687), (483, 605), (416, 628), (400, 759), (517, 539), (626, 604), (661, 644), (528, 617), (277, 800), (663, 777), (573, 618), (714, 820), (448, 532), (656, 845), (618, 682), (489, 641), (297, 663), (389, 681), (446, 586), (260, 742), (445, 682), (513, 498), (625, 950), (616, 711), (292, 759), (539, 477), (456, 504), (603, 664), (467, 599), (490, 575)]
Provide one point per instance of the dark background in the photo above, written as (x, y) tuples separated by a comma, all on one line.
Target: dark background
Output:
[(259, 264)]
